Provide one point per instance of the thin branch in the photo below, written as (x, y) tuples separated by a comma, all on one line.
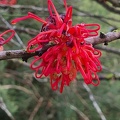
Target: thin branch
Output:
[(10, 27), (41, 9), (25, 90), (80, 113), (22, 29), (84, 13), (107, 77), (109, 37), (4, 107), (94, 102), (25, 7), (87, 14), (110, 50), (34, 112), (115, 3), (100, 18), (27, 81), (10, 54), (108, 7), (75, 91), (16, 87), (116, 74)]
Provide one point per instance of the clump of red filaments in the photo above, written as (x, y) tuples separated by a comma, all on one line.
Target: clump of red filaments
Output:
[(70, 54), (3, 40), (8, 2)]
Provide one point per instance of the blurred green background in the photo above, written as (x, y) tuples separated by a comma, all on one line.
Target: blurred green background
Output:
[(27, 98)]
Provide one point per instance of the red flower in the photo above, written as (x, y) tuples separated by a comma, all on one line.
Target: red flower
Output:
[(4, 41), (8, 2), (70, 53)]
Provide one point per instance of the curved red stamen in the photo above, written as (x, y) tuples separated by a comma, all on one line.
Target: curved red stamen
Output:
[(48, 65), (30, 15), (50, 7), (93, 32), (60, 31), (54, 82), (76, 46), (97, 79), (65, 4), (81, 68), (68, 15), (14, 21), (33, 46), (36, 17), (58, 62), (10, 37), (68, 60), (93, 25), (33, 66), (37, 74)]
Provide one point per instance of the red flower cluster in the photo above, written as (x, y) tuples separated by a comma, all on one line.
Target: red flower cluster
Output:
[(3, 41), (8, 2), (70, 53)]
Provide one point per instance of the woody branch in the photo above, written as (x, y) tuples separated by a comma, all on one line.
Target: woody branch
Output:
[(102, 38)]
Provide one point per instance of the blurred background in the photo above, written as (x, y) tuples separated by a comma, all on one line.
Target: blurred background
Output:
[(23, 97)]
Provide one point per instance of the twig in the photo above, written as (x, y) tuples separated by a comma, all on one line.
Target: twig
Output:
[(36, 109), (80, 113), (25, 7), (88, 14), (116, 74), (115, 3), (109, 37), (10, 27), (107, 77), (94, 102), (10, 54), (98, 17), (4, 107), (16, 87), (42, 9), (108, 7), (27, 81), (22, 29), (76, 92), (110, 50), (25, 90)]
